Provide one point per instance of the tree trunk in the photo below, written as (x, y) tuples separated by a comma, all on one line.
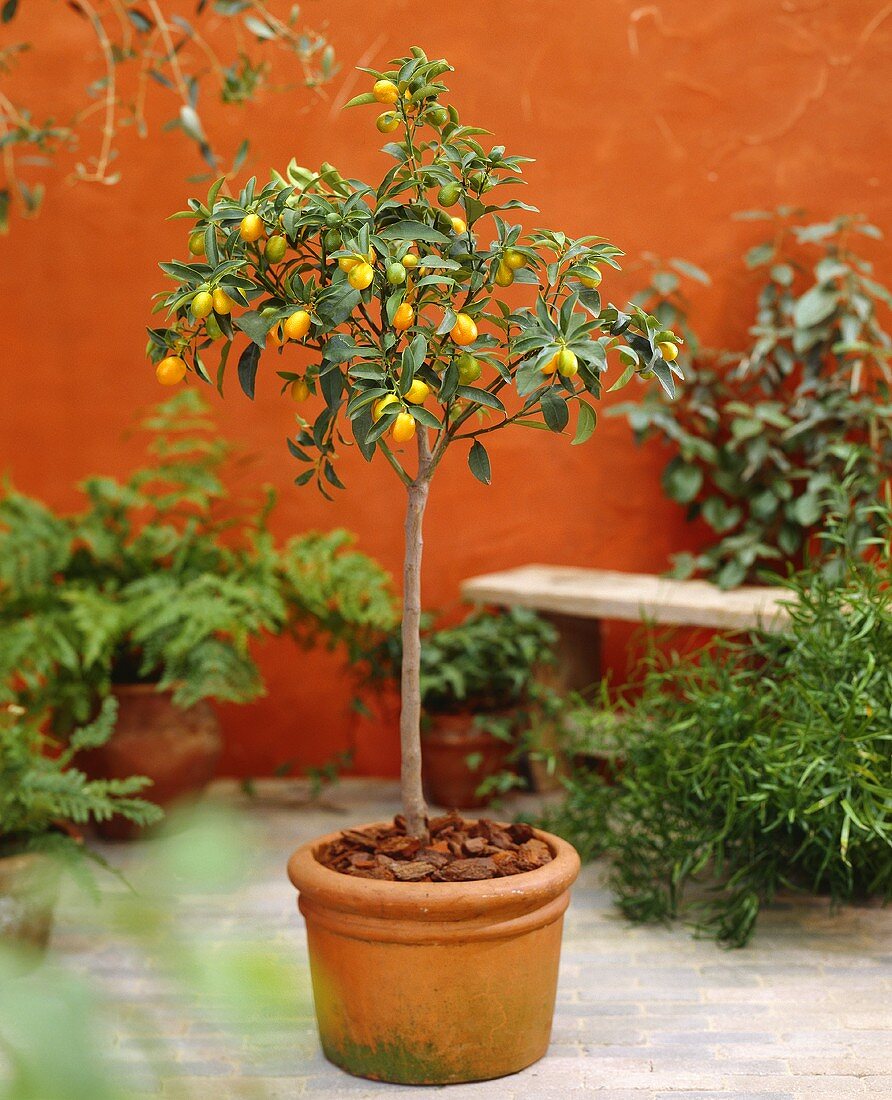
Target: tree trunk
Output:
[(414, 807)]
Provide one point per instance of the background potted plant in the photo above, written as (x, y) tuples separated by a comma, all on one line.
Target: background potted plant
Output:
[(480, 700), (41, 796), (404, 307), (153, 593), (761, 433), (478, 696)]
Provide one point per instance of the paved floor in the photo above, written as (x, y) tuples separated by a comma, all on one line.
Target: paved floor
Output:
[(804, 1013)]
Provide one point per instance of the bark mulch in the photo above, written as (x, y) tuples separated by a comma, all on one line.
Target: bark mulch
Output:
[(458, 851)]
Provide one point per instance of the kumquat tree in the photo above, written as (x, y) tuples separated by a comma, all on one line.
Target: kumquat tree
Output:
[(401, 293)]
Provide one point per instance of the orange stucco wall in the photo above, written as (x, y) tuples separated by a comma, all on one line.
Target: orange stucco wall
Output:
[(650, 124)]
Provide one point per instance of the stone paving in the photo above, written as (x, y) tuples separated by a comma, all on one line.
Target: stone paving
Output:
[(644, 1013)]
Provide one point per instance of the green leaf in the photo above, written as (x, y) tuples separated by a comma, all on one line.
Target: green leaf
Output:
[(783, 274), (359, 100), (259, 28), (815, 306), (585, 424), (682, 481), (336, 302), (691, 270), (761, 254), (731, 574), (806, 510), (413, 231), (554, 409), (425, 416), (376, 430), (531, 424), (361, 426), (664, 376), (719, 516), (191, 123), (623, 378), (253, 325), (247, 368), (478, 460), (480, 397), (142, 22), (744, 428)]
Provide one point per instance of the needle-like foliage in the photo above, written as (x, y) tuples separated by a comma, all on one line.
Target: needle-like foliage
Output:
[(761, 764)]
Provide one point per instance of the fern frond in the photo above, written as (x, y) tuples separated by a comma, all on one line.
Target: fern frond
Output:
[(34, 544), (37, 791)]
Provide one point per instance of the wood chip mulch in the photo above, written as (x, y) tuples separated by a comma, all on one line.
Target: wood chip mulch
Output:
[(458, 851)]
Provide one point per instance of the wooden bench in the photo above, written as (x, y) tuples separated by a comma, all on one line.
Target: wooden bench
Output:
[(576, 600)]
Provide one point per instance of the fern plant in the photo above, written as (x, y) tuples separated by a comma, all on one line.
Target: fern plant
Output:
[(41, 792), (161, 578)]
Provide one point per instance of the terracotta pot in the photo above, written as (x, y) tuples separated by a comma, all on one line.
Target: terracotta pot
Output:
[(29, 886), (434, 983), (446, 744), (177, 748)]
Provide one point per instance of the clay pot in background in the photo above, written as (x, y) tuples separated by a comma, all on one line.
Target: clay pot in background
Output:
[(447, 741), (29, 887), (434, 983), (177, 748)]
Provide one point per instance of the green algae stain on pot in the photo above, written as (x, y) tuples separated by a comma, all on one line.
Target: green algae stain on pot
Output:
[(421, 1064)]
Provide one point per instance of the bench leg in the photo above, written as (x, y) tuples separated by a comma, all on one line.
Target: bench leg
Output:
[(577, 667)]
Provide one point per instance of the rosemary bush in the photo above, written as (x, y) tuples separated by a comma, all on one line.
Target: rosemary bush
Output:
[(759, 764)]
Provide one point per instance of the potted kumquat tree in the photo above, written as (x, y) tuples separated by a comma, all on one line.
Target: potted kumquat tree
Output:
[(398, 293)]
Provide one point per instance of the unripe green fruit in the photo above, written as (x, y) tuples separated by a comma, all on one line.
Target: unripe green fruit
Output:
[(275, 250), (332, 219), (504, 275), (396, 274), (332, 240), (437, 115), (196, 242), (449, 194), (388, 122), (212, 327), (469, 369)]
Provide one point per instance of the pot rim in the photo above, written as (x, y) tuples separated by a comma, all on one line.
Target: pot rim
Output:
[(18, 861), (143, 688), (429, 902)]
